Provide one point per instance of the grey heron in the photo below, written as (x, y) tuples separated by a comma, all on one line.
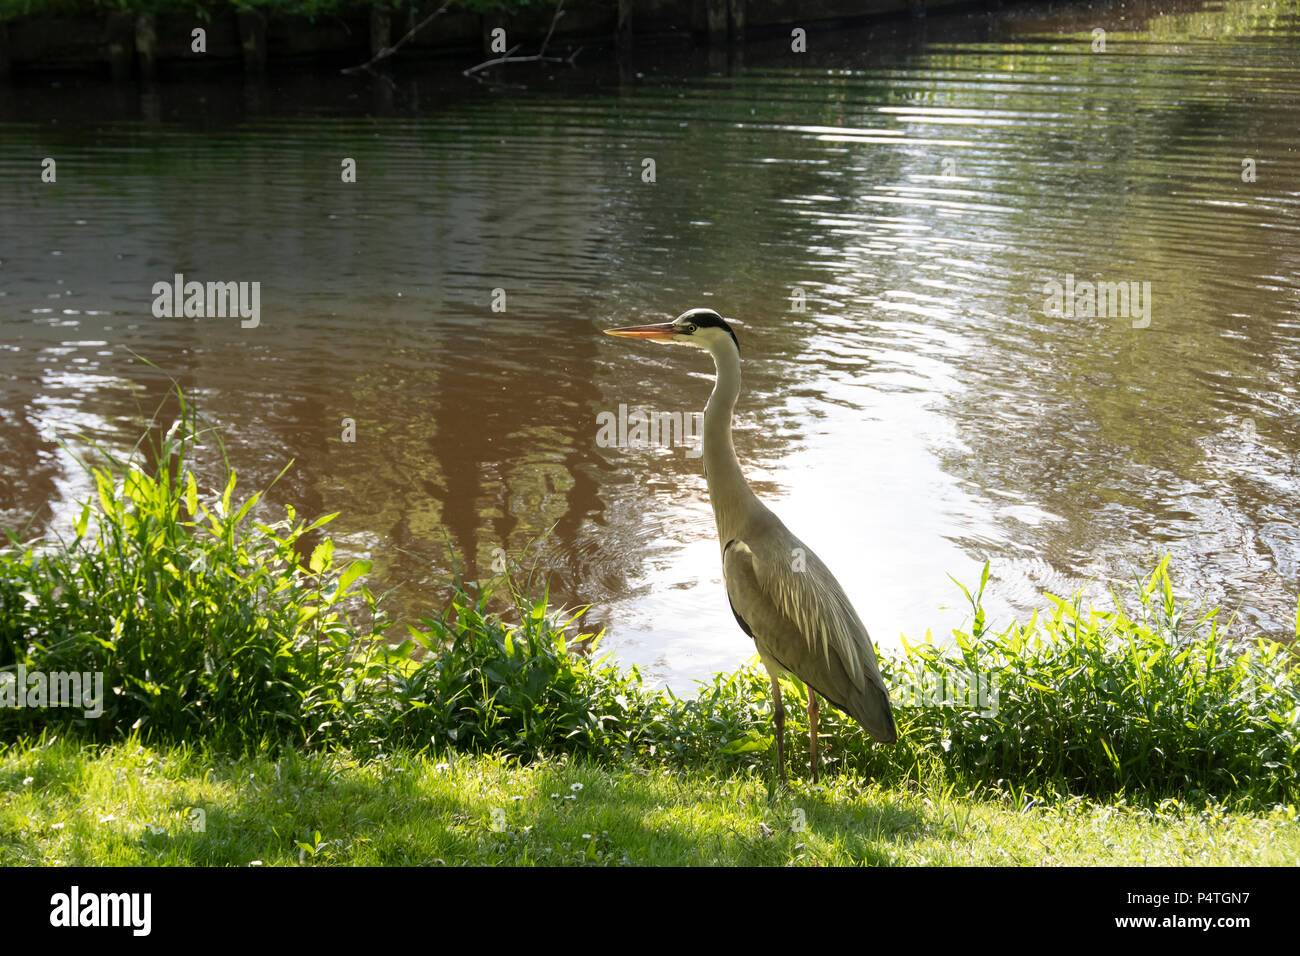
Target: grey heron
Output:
[(781, 594)]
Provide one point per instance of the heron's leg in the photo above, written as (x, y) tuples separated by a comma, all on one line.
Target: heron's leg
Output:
[(812, 729), (780, 729)]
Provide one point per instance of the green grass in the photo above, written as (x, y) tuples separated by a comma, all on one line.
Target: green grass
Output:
[(253, 679), (127, 804), (203, 621), (215, 627)]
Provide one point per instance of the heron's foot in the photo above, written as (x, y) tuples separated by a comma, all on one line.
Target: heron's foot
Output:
[(780, 733), (813, 710), (779, 783)]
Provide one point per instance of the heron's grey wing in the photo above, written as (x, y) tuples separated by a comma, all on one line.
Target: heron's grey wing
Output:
[(802, 620)]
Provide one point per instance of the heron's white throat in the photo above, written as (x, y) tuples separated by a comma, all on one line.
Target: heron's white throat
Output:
[(729, 492)]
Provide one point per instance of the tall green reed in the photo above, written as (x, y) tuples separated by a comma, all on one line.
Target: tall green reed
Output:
[(211, 625)]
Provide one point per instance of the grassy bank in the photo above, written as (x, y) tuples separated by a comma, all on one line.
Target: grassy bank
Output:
[(128, 804), (249, 675)]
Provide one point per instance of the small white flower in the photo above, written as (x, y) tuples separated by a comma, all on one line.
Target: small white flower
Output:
[(442, 767), (586, 836), (57, 826), (570, 797), (555, 796), (254, 862), (576, 787), (27, 781), (107, 819)]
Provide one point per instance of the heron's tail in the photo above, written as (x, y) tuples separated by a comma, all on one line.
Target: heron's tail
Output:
[(876, 715)]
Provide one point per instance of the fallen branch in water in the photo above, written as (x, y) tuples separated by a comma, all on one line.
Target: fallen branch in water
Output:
[(538, 57), (388, 51)]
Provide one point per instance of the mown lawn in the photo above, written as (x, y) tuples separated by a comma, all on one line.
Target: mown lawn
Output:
[(128, 804), (1138, 734)]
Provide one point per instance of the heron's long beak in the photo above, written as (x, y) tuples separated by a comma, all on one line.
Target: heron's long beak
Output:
[(663, 331)]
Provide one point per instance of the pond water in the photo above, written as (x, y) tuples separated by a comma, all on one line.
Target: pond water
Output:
[(883, 216)]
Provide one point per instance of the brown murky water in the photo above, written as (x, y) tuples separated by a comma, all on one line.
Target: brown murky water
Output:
[(918, 185)]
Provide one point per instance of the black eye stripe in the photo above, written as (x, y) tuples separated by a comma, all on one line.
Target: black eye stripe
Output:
[(708, 319)]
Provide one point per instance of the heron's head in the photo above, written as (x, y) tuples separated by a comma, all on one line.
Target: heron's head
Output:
[(702, 328)]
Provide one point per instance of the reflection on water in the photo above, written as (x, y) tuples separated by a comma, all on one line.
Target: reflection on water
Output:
[(913, 190)]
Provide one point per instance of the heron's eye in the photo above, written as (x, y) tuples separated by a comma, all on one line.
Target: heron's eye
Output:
[(686, 329)]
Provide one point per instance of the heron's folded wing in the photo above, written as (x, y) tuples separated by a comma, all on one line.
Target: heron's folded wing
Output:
[(799, 615)]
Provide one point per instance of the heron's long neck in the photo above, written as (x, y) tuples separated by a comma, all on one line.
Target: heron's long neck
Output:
[(728, 491)]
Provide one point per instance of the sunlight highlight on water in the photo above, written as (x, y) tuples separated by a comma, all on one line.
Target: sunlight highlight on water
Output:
[(918, 187)]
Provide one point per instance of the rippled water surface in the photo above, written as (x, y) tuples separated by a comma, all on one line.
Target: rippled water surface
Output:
[(918, 185)]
